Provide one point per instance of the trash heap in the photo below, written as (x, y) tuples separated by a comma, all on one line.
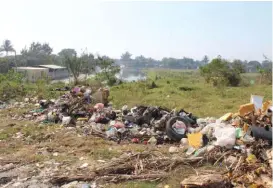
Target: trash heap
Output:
[(240, 141), (156, 125), (93, 113)]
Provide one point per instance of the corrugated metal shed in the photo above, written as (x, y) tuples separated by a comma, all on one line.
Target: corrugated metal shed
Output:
[(29, 68)]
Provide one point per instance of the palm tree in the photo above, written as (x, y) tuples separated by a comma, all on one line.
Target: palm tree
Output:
[(7, 47)]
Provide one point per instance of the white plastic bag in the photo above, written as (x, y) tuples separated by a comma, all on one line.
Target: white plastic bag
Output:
[(225, 135), (66, 120), (125, 107)]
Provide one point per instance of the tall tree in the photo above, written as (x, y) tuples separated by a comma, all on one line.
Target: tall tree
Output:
[(67, 52), (90, 64), (205, 59), (140, 58), (108, 70), (75, 65), (267, 63), (37, 48), (266, 71), (126, 56), (37, 54), (6, 47), (238, 66)]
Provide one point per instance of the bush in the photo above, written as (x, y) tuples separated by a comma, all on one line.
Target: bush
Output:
[(219, 72), (152, 86), (11, 89), (11, 85), (111, 81), (265, 76), (245, 82), (234, 79)]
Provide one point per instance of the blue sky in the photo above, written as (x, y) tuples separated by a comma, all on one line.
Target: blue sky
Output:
[(154, 29)]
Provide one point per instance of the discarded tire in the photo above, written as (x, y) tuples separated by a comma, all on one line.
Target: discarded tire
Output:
[(171, 132)]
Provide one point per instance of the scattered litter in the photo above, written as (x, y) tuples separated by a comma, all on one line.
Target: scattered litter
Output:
[(246, 109), (173, 149), (84, 165), (257, 101), (81, 158), (195, 140)]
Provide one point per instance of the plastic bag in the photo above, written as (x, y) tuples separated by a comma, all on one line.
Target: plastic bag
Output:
[(225, 135), (111, 132), (66, 120), (119, 124), (180, 127), (239, 132), (99, 106), (121, 130), (152, 140)]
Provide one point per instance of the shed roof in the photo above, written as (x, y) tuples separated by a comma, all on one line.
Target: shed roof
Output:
[(30, 68), (52, 66)]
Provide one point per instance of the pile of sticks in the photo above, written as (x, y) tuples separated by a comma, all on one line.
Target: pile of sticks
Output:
[(150, 166)]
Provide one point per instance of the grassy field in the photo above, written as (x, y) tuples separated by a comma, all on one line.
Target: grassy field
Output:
[(175, 89), (188, 90)]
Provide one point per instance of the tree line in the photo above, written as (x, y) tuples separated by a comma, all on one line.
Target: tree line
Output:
[(41, 53)]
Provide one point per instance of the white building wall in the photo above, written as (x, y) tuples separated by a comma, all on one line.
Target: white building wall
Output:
[(33, 74)]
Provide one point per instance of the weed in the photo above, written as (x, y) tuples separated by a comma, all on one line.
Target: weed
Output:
[(103, 153), (199, 98)]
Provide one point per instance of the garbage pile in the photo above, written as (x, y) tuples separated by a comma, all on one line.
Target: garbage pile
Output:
[(156, 125), (241, 141), (93, 113)]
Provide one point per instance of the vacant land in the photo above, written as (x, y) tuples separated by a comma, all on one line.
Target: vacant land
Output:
[(188, 90), (38, 150)]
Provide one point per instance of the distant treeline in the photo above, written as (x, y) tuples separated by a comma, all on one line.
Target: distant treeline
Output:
[(38, 54)]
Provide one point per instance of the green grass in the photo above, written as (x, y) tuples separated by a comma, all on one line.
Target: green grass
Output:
[(188, 90), (14, 90)]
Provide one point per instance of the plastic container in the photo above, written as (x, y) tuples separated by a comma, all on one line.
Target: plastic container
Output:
[(200, 151), (111, 132)]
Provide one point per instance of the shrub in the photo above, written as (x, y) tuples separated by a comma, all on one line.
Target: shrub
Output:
[(265, 76), (152, 86), (219, 72), (11, 85), (111, 81), (234, 79), (11, 89)]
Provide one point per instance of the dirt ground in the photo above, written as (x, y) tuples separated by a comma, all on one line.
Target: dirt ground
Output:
[(31, 154)]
